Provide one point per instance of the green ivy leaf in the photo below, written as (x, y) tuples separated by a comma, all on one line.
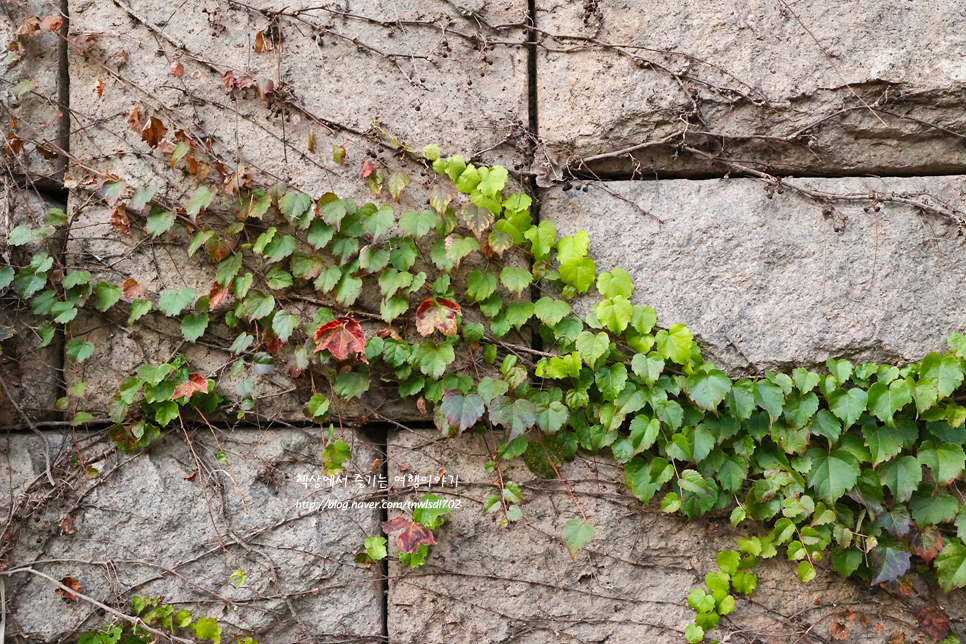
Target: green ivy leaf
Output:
[(159, 222), (293, 205), (614, 314), (616, 283), (675, 344), (576, 535), (951, 564), (517, 416), (431, 359), (516, 279), (351, 384), (79, 350), (255, 306), (378, 223), (902, 476), (193, 326), (592, 347), (579, 273), (551, 311), (708, 388), (832, 473), (542, 238), (848, 405), (480, 285), (107, 296), (462, 412), (172, 301), (199, 201)]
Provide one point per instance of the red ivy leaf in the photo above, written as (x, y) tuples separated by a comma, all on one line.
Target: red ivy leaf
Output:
[(196, 383), (341, 337), (273, 344), (437, 314), (134, 290), (927, 543), (934, 621), (71, 583), (177, 69), (413, 534), (367, 168)]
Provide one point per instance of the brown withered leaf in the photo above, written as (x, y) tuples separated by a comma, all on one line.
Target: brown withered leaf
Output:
[(838, 631), (413, 534), (14, 143), (273, 344), (46, 153), (200, 77), (133, 290), (193, 476), (265, 87), (30, 27), (72, 584), (153, 132), (67, 525), (119, 219), (389, 332), (52, 23), (262, 43), (196, 383), (934, 621), (341, 337), (898, 637)]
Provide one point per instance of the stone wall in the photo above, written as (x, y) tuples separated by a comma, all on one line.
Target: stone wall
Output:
[(659, 128)]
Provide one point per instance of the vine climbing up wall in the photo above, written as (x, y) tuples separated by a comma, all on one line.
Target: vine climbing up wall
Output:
[(337, 323)]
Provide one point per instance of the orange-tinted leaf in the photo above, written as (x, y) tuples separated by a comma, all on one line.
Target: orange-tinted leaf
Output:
[(133, 290), (341, 337), (99, 86), (927, 543), (261, 44), (413, 534), (52, 23), (134, 118), (897, 637), (437, 314), (367, 168), (177, 69), (196, 383), (838, 631), (153, 132), (934, 621), (216, 296), (119, 219), (71, 583)]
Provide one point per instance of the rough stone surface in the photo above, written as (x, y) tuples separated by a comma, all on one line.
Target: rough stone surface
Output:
[(768, 283), (31, 374), (877, 93), (37, 57), (166, 531), (487, 584), (360, 76)]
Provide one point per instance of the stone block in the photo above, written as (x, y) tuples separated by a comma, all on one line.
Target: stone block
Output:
[(152, 524), (366, 79), (775, 281), (35, 89), (489, 584), (824, 88)]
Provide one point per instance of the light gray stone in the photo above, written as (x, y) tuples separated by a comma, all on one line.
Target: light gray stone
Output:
[(38, 123), (365, 76), (148, 526), (32, 374), (877, 93), (768, 283), (488, 584)]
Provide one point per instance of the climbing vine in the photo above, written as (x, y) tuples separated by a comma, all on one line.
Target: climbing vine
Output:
[(859, 464)]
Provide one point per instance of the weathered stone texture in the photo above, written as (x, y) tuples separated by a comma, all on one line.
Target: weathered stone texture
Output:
[(168, 530), (768, 283), (30, 373), (488, 584), (38, 119), (879, 92), (361, 76)]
